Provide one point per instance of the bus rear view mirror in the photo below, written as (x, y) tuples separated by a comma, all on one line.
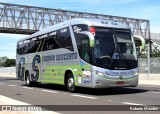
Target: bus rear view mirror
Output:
[(143, 42), (91, 37)]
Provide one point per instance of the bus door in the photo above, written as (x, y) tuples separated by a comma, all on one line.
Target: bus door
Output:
[(85, 60)]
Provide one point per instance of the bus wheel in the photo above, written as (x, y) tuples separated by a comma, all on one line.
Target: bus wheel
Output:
[(70, 83), (28, 82)]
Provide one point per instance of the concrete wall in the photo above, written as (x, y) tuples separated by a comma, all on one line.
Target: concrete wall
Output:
[(7, 71), (150, 77)]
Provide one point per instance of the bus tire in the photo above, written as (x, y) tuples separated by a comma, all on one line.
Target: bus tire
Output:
[(70, 83), (28, 81)]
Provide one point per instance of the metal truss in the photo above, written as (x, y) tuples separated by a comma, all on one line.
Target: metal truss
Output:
[(20, 19)]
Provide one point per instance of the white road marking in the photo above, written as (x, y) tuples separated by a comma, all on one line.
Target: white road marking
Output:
[(12, 85), (27, 87), (1, 84), (84, 96), (157, 92), (149, 86), (128, 103), (9, 101), (49, 91), (109, 100)]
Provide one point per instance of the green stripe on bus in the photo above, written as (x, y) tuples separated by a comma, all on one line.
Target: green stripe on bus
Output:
[(63, 70), (54, 81), (57, 77)]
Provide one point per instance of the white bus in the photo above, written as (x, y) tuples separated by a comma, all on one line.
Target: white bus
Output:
[(90, 53)]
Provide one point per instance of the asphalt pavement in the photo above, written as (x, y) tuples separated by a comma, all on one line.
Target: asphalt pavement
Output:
[(50, 94)]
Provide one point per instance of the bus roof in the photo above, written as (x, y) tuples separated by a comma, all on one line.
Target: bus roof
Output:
[(87, 21)]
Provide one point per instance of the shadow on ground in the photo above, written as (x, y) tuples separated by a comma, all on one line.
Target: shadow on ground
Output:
[(7, 78), (91, 91)]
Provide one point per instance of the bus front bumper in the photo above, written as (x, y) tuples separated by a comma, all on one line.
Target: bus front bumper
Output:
[(102, 82)]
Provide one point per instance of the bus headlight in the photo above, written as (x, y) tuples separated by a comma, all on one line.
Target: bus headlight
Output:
[(86, 73)]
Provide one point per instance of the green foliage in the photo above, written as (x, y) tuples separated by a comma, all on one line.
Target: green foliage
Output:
[(8, 63), (142, 56), (155, 54)]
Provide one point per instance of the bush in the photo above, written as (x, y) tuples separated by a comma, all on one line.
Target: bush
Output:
[(9, 63)]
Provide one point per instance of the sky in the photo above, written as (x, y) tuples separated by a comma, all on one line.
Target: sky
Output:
[(143, 9)]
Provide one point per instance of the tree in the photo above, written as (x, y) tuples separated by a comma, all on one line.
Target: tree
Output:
[(9, 63)]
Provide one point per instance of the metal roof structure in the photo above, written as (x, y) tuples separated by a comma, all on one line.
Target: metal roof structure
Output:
[(21, 19)]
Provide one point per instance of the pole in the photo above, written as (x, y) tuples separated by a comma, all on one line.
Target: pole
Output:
[(149, 49)]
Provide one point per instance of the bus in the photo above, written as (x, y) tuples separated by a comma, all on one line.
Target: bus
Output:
[(91, 53)]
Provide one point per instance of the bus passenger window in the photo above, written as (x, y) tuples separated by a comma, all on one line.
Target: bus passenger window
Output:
[(64, 38), (50, 44), (85, 50)]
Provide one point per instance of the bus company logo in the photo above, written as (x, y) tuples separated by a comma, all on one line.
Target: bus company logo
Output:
[(36, 59), (115, 56), (77, 29), (21, 69)]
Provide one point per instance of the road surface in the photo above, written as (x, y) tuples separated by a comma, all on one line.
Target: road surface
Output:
[(49, 94)]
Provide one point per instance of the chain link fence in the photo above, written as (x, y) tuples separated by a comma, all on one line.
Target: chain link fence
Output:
[(7, 70), (154, 66), (143, 66)]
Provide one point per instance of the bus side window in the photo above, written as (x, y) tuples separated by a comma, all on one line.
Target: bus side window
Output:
[(50, 43), (63, 38), (18, 49), (31, 47), (85, 49), (21, 49), (34, 46)]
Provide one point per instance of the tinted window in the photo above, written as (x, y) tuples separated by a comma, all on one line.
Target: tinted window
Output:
[(124, 41), (78, 37), (63, 38), (85, 49), (104, 43), (20, 49), (50, 43), (57, 39), (34, 46)]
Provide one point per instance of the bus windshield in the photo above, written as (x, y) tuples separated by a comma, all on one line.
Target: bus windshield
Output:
[(124, 42), (114, 49)]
